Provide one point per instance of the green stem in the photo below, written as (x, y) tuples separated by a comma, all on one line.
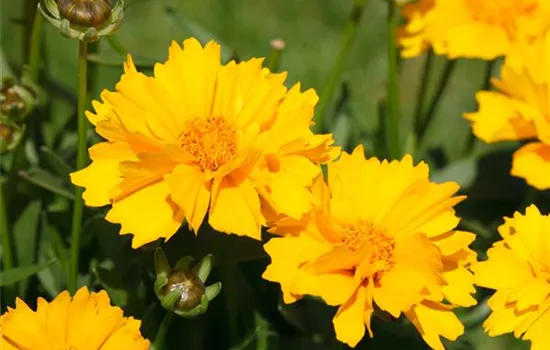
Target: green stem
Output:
[(392, 119), (7, 251), (160, 338), (116, 45), (421, 97), (35, 45), (334, 77), (442, 84), (80, 163), (488, 74), (274, 58)]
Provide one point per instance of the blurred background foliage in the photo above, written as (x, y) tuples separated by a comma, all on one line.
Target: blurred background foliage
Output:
[(249, 314)]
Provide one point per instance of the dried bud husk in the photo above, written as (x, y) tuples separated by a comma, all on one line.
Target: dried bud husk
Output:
[(85, 20), (181, 289), (17, 100), (11, 135)]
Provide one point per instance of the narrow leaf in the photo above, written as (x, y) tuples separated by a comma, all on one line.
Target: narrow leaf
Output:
[(47, 181), (22, 273)]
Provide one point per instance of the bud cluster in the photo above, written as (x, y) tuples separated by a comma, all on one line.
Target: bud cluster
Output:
[(17, 100)]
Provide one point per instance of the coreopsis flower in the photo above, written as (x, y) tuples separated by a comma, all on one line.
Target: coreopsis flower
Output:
[(518, 268), (199, 137), (382, 235), (470, 28), (86, 321), (519, 109)]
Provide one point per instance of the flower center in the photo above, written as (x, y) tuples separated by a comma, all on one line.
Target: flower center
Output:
[(502, 13), (380, 257), (212, 140)]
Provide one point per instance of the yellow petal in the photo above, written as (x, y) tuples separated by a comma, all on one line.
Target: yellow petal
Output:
[(334, 288), (503, 269), (417, 269), (434, 320), (498, 119), (349, 323), (235, 208), (103, 175), (190, 192), (532, 162), (148, 214), (287, 256)]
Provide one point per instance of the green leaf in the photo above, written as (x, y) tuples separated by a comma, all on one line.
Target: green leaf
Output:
[(56, 163), (18, 274), (109, 280), (47, 181), (25, 236)]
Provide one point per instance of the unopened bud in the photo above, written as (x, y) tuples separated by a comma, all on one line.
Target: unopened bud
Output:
[(85, 20), (181, 289)]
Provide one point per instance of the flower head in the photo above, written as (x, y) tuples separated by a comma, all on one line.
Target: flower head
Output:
[(518, 268), (86, 321), (199, 137), (519, 109), (471, 28), (86, 20), (381, 235)]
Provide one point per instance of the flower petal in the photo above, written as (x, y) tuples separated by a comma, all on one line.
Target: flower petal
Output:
[(349, 323), (190, 192), (148, 214), (532, 162), (235, 207)]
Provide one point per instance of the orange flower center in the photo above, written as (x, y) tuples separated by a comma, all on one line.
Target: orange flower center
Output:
[(501, 13), (212, 140), (381, 246)]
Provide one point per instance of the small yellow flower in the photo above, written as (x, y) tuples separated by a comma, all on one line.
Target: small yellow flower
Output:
[(518, 268), (519, 109), (382, 234), (471, 28), (199, 137), (86, 321)]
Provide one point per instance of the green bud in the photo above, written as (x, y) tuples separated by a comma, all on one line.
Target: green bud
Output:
[(181, 289), (85, 20)]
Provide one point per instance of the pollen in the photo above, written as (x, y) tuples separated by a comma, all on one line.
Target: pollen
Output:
[(380, 256), (212, 141), (500, 12)]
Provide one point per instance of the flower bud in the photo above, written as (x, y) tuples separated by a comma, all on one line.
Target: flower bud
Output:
[(85, 20), (181, 289)]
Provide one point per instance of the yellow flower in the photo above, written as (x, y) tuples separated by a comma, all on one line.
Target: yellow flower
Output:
[(520, 109), (199, 137), (87, 321), (381, 234), (518, 268), (471, 28)]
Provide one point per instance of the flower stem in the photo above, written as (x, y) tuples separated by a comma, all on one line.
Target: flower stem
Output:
[(421, 97), (334, 77), (7, 249), (442, 84), (80, 163), (162, 331), (392, 119), (35, 45), (277, 46)]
